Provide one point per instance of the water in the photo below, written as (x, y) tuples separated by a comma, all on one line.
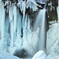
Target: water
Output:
[(40, 22), (43, 30)]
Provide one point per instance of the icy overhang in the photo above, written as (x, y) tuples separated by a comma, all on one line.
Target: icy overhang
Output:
[(41, 1)]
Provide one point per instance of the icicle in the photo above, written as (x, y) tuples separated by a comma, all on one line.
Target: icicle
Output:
[(2, 19), (25, 31), (15, 17), (58, 11), (13, 21), (19, 26), (23, 20), (2, 23), (22, 5), (29, 25), (11, 24), (19, 40), (23, 10)]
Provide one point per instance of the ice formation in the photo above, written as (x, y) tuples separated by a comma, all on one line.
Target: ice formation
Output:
[(40, 55), (16, 31), (53, 36), (58, 11)]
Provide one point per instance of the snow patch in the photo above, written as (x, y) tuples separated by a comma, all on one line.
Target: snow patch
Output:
[(52, 44)]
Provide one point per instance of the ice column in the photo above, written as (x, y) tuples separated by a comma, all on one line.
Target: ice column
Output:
[(13, 21), (58, 11)]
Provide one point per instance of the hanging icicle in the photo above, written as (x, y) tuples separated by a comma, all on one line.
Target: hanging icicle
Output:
[(2, 26), (13, 21)]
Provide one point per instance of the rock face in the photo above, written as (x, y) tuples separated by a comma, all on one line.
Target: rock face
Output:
[(52, 44)]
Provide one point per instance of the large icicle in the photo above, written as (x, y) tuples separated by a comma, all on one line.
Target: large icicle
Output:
[(15, 17), (23, 20), (2, 27), (18, 42), (11, 24), (13, 21), (25, 29), (2, 19), (29, 26), (23, 10)]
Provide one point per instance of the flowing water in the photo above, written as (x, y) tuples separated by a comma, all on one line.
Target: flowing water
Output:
[(43, 30), (40, 22)]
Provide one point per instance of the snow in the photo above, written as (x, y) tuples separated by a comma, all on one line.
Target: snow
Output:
[(41, 1), (42, 55), (29, 4), (52, 56), (39, 55), (4, 55), (52, 44)]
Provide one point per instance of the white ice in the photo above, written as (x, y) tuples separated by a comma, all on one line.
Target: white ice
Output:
[(4, 55)]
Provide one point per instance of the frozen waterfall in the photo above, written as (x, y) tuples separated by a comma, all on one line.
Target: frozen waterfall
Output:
[(40, 22), (18, 28)]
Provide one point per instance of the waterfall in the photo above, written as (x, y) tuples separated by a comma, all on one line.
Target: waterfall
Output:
[(58, 11), (40, 22), (43, 30)]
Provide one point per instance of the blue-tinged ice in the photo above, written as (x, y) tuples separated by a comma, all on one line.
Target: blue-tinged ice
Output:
[(2, 26), (13, 21)]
